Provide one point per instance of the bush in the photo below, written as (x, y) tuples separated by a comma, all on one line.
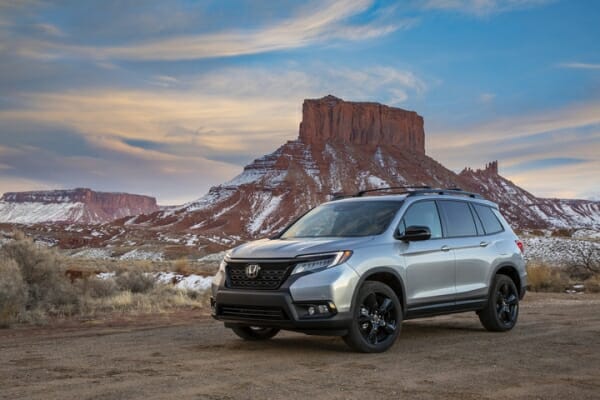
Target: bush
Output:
[(182, 266), (34, 286), (592, 285), (42, 273), (13, 292), (542, 278), (135, 281), (96, 287)]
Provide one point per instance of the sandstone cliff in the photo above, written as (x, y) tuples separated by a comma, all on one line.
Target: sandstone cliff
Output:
[(331, 119)]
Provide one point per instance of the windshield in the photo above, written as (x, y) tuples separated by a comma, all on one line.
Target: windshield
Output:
[(345, 219)]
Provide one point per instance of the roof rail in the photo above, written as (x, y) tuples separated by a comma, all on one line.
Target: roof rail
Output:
[(447, 192), (405, 188), (412, 191)]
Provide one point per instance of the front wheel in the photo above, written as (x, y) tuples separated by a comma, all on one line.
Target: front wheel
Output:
[(502, 309), (377, 319), (254, 332)]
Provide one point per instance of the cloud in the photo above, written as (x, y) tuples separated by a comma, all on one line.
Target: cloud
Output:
[(328, 22), (203, 126), (544, 152), (579, 65), (480, 7), (49, 30), (544, 163), (578, 180), (501, 129)]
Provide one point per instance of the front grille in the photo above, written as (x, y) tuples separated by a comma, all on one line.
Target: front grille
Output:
[(253, 313), (270, 276)]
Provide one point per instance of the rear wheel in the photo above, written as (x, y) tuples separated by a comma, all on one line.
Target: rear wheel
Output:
[(377, 319), (502, 309), (254, 332)]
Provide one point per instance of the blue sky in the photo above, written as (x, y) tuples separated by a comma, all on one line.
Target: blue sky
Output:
[(169, 98)]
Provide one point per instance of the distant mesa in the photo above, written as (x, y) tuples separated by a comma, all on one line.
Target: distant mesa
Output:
[(80, 205)]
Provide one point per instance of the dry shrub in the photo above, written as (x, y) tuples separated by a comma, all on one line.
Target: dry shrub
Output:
[(592, 285), (41, 270), (542, 278), (96, 287), (183, 267), (13, 292), (33, 286), (563, 232), (135, 281)]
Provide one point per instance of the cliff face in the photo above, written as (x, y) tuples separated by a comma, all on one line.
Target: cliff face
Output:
[(72, 206), (524, 210), (331, 119)]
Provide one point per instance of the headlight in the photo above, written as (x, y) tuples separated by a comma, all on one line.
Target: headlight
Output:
[(223, 263), (317, 262)]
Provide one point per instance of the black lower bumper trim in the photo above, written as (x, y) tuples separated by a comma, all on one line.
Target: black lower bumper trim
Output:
[(275, 310)]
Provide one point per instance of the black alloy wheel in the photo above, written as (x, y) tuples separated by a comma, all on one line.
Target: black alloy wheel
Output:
[(378, 319), (502, 309), (507, 304)]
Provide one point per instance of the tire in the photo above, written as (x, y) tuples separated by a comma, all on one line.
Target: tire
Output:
[(502, 309), (377, 319), (254, 332)]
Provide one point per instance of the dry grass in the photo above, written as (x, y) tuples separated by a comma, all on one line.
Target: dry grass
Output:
[(159, 299), (183, 267), (592, 284), (542, 278), (34, 288)]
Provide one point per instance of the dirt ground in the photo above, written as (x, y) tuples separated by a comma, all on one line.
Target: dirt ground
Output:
[(553, 353)]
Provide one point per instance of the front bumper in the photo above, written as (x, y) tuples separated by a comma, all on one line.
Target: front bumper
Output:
[(286, 307), (274, 309)]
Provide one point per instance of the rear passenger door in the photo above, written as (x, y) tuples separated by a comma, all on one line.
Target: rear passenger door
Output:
[(462, 228), (429, 263)]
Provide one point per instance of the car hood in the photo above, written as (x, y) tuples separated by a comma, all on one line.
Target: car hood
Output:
[(289, 248)]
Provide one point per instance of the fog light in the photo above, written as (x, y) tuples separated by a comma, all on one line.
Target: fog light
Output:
[(311, 310), (213, 306)]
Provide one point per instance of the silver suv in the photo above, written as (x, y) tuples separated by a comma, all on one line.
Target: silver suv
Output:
[(358, 266)]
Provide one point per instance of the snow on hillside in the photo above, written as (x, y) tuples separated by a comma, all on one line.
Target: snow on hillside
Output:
[(556, 251), (33, 213)]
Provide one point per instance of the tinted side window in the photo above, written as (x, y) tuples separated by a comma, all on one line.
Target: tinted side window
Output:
[(423, 213), (488, 219), (458, 217)]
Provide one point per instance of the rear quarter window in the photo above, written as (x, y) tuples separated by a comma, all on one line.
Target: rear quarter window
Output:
[(490, 222)]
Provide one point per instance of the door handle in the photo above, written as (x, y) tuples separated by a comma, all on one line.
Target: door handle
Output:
[(484, 244), (445, 248)]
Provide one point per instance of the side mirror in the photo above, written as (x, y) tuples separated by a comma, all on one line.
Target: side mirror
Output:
[(416, 233)]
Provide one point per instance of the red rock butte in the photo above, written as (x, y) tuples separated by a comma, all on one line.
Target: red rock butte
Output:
[(331, 119)]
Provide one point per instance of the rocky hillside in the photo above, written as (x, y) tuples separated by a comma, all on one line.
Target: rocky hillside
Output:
[(81, 206), (527, 211), (344, 147)]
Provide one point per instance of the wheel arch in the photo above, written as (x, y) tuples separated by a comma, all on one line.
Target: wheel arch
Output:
[(385, 275), (509, 270)]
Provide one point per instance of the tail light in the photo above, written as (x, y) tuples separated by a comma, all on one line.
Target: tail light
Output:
[(520, 246)]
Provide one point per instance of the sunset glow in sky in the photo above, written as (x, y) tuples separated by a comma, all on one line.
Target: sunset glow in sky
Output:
[(169, 98)]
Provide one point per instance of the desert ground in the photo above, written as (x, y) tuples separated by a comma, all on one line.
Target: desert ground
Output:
[(553, 353)]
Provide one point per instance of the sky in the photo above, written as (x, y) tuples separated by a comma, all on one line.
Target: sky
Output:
[(170, 98)]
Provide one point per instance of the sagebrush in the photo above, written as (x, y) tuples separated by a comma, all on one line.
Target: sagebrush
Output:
[(34, 287)]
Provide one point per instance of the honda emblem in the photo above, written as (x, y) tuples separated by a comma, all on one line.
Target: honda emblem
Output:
[(252, 270)]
